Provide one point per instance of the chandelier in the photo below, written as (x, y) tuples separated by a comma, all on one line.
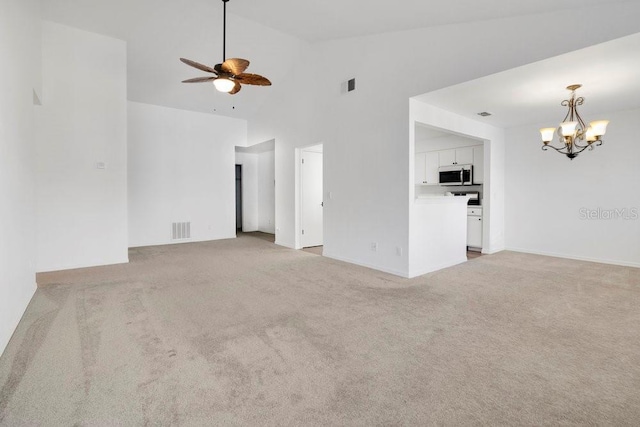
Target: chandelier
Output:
[(574, 135)]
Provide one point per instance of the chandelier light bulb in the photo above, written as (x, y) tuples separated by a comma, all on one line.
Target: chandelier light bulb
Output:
[(223, 84), (547, 134), (590, 135), (599, 127), (568, 128)]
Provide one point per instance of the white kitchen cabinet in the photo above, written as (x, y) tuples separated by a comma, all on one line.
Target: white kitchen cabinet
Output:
[(426, 168), (478, 164), (432, 162), (420, 171), (456, 156), (474, 227), (464, 156), (447, 157), (427, 164)]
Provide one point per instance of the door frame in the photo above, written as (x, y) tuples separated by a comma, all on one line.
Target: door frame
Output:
[(239, 198), (298, 191)]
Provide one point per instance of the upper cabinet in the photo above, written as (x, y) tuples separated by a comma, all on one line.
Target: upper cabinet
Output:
[(420, 172), (426, 172), (456, 156), (447, 157), (464, 156), (427, 164), (431, 173)]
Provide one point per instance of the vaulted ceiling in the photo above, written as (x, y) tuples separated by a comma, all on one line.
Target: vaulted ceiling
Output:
[(533, 93), (272, 34)]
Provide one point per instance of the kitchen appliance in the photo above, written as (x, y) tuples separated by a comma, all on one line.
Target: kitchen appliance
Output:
[(456, 175), (474, 199)]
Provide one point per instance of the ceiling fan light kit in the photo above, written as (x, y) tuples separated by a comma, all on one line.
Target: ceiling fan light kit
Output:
[(223, 85), (229, 75), (574, 135)]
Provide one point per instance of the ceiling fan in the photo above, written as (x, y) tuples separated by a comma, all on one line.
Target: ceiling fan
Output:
[(229, 75)]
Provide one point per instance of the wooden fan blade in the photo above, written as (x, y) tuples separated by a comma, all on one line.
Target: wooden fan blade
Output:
[(234, 66), (199, 80), (253, 79), (236, 88), (198, 65)]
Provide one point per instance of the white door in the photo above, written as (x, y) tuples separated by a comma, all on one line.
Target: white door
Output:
[(311, 199)]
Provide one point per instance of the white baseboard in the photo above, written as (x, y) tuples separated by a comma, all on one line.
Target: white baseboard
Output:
[(432, 268), (165, 242), (577, 258), (364, 264), (285, 244), (492, 250), (74, 266), (4, 340)]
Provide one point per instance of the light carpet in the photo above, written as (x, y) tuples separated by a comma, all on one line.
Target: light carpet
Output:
[(244, 332)]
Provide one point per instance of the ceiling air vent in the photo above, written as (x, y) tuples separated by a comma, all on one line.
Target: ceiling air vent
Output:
[(348, 86)]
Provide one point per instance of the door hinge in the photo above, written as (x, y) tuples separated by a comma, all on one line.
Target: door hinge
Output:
[(302, 231), (303, 161)]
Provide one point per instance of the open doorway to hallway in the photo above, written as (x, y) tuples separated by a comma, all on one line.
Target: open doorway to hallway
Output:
[(238, 198), (311, 198), (257, 204)]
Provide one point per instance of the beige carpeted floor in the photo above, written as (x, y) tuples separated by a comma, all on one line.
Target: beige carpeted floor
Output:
[(243, 332)]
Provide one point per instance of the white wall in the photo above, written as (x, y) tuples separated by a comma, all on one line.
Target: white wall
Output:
[(438, 234), (181, 168), (82, 210), (20, 35), (250, 209), (266, 192), (444, 143), (545, 193), (367, 159)]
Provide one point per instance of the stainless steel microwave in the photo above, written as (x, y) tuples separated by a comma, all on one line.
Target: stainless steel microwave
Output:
[(456, 175)]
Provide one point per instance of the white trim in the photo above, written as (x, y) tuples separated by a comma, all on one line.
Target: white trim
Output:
[(285, 244), (364, 264), (16, 322), (577, 258), (491, 251), (77, 266), (182, 242), (432, 268)]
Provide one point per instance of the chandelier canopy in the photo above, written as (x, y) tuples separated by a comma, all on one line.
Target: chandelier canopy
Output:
[(574, 136)]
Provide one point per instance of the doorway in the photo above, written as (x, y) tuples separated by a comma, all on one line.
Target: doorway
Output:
[(311, 197), (238, 198)]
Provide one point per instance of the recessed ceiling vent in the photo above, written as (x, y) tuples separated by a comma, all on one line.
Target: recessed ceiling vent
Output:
[(484, 114)]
